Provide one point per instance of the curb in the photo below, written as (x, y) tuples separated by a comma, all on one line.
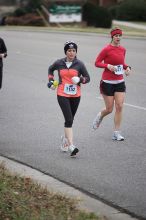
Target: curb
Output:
[(85, 202), (129, 24)]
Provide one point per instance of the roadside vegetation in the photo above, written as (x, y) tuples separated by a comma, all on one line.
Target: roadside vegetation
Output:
[(129, 10), (34, 16), (23, 199), (36, 13), (128, 31)]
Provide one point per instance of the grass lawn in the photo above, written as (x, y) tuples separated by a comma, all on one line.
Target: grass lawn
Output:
[(23, 199), (128, 31)]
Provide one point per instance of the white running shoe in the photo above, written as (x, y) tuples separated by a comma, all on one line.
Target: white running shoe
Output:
[(117, 136), (64, 144), (73, 150), (97, 121)]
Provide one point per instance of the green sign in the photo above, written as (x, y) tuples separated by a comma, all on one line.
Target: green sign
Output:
[(65, 9)]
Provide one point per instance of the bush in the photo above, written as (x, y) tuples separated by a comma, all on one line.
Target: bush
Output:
[(33, 5), (113, 11), (103, 18), (130, 10), (96, 16), (25, 20), (89, 14), (19, 12)]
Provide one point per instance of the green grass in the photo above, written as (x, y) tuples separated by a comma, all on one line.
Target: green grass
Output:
[(128, 31), (23, 199), (140, 22)]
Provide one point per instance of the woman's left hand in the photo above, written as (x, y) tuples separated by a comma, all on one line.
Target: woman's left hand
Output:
[(127, 71), (2, 55), (75, 80)]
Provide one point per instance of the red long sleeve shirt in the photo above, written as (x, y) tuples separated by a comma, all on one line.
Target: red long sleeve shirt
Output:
[(111, 55)]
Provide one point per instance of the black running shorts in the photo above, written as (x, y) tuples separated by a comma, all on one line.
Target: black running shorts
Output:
[(109, 89)]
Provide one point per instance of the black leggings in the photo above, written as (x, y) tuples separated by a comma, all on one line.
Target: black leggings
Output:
[(1, 75), (69, 107)]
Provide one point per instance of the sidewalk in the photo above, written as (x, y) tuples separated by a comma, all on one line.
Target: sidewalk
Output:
[(86, 202), (129, 24)]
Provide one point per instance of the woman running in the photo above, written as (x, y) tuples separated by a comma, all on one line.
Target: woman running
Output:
[(112, 85), (72, 72)]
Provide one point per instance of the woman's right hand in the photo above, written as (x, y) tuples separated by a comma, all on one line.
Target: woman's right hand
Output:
[(111, 68), (53, 87)]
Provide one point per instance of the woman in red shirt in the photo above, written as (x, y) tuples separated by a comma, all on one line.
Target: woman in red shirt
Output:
[(71, 73), (112, 85)]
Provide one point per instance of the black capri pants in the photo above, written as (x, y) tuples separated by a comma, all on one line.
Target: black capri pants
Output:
[(69, 107), (1, 75)]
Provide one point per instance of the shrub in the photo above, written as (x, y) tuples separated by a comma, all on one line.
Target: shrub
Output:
[(19, 12), (103, 18), (88, 14), (33, 5), (130, 10), (96, 16), (25, 20)]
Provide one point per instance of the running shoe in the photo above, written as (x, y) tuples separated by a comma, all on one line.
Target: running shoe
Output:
[(97, 121), (64, 144), (117, 136), (73, 150)]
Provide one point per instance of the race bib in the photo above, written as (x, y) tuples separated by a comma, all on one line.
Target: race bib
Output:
[(70, 89), (119, 70)]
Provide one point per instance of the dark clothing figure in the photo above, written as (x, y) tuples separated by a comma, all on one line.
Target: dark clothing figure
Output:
[(3, 54)]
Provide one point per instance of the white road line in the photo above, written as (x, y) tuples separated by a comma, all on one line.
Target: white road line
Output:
[(127, 104), (135, 106)]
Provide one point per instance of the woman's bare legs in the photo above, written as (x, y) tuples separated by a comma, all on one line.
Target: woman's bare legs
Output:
[(109, 104), (119, 100), (69, 135)]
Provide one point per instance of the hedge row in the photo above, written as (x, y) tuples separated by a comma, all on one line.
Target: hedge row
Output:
[(129, 10), (96, 16)]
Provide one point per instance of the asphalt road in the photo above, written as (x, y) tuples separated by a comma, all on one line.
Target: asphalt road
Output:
[(31, 122)]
